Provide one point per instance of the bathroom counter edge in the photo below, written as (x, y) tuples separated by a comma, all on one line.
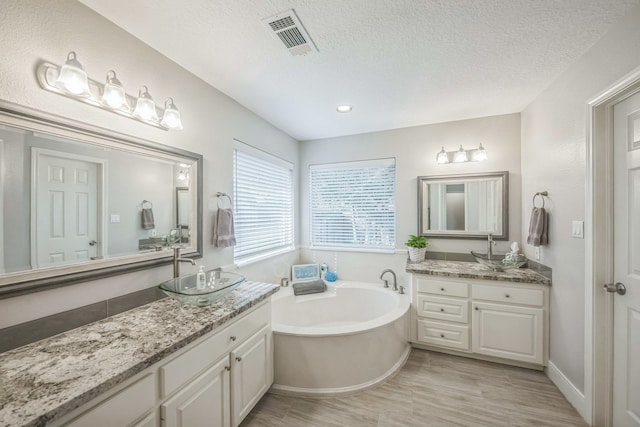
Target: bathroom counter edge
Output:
[(44, 380), (474, 270)]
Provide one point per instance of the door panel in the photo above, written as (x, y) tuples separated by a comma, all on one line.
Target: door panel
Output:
[(626, 353)]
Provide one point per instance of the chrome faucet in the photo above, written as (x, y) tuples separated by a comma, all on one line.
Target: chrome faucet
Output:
[(177, 260), (386, 282), (490, 244)]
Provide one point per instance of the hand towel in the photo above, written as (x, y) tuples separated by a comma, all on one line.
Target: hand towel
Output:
[(147, 219), (223, 233), (306, 288), (538, 234)]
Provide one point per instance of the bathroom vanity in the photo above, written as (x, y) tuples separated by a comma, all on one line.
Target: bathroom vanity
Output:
[(162, 364), (465, 309)]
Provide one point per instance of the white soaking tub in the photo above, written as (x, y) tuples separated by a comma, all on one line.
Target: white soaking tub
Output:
[(349, 338)]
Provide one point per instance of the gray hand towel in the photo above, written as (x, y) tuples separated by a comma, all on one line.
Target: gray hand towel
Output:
[(147, 219), (538, 233), (306, 288), (223, 232)]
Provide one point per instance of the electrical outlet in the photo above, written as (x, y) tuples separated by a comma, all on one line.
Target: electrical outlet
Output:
[(153, 232), (536, 252)]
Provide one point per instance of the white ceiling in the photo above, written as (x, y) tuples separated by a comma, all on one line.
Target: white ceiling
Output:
[(399, 63)]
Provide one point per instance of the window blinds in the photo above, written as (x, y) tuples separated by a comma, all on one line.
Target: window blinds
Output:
[(263, 205), (353, 204)]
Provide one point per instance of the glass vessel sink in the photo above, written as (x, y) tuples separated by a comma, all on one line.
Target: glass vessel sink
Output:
[(500, 262), (185, 289)]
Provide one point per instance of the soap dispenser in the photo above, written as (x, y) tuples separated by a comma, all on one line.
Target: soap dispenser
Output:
[(201, 279)]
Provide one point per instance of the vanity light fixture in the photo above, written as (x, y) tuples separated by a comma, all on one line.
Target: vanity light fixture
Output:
[(461, 155), (72, 81), (344, 108)]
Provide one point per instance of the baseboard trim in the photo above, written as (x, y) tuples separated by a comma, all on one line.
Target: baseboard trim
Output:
[(566, 387)]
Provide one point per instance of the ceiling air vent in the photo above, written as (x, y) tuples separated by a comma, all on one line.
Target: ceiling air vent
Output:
[(287, 28)]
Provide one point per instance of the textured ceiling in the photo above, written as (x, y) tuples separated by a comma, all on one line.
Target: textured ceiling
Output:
[(399, 63)]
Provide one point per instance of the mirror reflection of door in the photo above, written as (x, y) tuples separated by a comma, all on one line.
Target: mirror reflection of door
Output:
[(66, 191)]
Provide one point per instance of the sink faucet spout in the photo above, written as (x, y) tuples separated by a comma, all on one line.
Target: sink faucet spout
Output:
[(490, 243), (177, 259), (395, 282)]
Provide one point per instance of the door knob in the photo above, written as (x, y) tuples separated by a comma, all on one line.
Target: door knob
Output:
[(619, 288), (92, 243)]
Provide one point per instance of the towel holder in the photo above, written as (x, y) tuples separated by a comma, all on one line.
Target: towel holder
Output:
[(147, 204), (542, 195), (219, 195)]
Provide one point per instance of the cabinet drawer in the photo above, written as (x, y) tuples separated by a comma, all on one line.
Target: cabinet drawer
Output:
[(444, 288), (123, 408), (443, 334), (451, 309), (512, 295), (188, 365)]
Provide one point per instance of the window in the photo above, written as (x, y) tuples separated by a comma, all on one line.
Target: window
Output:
[(263, 202), (353, 204)]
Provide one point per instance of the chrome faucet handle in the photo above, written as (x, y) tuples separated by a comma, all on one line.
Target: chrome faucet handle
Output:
[(401, 291), (386, 283)]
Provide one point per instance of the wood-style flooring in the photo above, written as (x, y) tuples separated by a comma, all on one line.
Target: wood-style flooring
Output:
[(432, 389)]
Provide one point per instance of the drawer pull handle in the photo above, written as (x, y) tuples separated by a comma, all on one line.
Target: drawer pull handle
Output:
[(239, 359), (442, 289), (232, 337), (442, 309), (441, 335), (507, 295), (228, 368)]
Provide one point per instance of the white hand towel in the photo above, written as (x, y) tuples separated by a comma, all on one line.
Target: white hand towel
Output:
[(223, 233), (538, 233)]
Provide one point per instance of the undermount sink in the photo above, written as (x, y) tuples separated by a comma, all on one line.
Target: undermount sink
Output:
[(185, 289), (500, 261)]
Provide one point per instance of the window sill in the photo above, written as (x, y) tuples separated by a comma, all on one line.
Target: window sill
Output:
[(361, 250), (259, 258)]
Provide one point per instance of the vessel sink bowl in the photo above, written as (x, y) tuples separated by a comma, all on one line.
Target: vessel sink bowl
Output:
[(500, 261), (185, 289)]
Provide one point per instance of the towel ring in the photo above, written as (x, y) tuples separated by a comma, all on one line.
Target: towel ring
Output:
[(542, 195), (219, 195), (147, 204)]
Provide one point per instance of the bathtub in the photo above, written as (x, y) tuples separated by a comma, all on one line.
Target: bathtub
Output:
[(347, 339)]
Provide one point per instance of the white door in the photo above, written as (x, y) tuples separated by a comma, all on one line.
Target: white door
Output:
[(626, 352), (66, 209)]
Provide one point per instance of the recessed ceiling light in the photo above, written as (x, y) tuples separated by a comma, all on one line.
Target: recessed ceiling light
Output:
[(344, 109)]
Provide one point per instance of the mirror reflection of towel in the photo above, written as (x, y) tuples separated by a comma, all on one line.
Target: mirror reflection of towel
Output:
[(223, 233), (538, 234), (147, 219)]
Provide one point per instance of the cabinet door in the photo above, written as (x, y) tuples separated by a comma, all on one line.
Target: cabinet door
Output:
[(251, 373), (148, 421), (204, 402), (508, 331)]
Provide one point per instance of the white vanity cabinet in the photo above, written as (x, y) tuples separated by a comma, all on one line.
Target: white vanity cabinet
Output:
[(215, 381), (496, 320)]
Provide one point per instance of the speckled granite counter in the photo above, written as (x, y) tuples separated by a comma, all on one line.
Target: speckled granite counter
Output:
[(474, 270), (42, 381)]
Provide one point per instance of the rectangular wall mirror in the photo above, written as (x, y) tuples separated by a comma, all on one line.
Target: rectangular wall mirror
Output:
[(464, 206), (78, 203)]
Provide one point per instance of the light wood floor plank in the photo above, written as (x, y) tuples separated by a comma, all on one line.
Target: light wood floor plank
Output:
[(431, 390)]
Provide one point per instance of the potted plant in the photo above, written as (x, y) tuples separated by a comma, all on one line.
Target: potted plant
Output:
[(417, 248)]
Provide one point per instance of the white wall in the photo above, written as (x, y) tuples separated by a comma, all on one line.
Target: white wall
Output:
[(415, 152), (46, 30), (554, 159)]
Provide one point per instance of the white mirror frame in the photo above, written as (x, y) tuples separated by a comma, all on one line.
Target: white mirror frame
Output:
[(28, 281)]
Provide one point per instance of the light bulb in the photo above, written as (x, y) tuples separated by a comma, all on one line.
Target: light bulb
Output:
[(442, 157), (145, 107), (171, 117), (113, 95), (480, 154), (460, 156), (72, 78)]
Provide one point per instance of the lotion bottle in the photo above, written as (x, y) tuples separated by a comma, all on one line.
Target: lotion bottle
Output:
[(201, 279)]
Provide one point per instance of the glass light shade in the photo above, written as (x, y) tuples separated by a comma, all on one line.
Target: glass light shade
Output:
[(442, 157), (460, 156), (480, 155), (183, 175), (113, 95), (145, 107), (171, 117), (72, 78)]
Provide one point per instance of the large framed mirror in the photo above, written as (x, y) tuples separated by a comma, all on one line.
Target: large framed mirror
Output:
[(79, 203), (464, 206)]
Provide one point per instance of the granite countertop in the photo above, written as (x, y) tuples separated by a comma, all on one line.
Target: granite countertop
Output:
[(474, 270), (42, 381)]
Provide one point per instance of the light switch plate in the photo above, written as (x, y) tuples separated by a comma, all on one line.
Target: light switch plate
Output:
[(115, 218), (536, 252), (577, 229)]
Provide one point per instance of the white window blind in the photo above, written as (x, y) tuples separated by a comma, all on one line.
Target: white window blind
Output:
[(353, 204), (263, 202)]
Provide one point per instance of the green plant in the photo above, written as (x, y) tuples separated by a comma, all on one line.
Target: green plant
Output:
[(417, 241)]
